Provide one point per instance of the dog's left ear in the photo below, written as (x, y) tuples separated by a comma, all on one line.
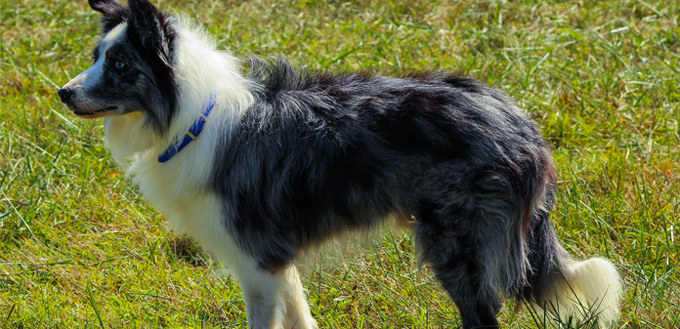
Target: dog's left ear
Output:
[(151, 28), (114, 13)]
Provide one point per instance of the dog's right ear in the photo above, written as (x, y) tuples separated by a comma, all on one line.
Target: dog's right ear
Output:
[(114, 13)]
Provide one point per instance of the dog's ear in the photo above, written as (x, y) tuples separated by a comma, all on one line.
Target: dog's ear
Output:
[(154, 36), (114, 13), (150, 28)]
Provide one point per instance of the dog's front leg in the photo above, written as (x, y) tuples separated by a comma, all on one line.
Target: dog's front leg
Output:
[(261, 292), (275, 300), (297, 315)]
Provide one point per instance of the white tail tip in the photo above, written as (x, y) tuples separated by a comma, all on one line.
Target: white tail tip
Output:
[(589, 290)]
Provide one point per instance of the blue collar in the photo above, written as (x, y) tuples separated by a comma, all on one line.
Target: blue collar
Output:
[(191, 134)]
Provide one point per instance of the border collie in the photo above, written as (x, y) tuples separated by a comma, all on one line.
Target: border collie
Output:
[(259, 160)]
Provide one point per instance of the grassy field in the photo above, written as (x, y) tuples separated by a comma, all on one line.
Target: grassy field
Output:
[(79, 247)]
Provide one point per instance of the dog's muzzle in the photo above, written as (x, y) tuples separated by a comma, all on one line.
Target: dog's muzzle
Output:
[(85, 109)]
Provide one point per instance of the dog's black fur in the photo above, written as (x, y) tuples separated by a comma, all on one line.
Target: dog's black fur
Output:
[(313, 155), (317, 154)]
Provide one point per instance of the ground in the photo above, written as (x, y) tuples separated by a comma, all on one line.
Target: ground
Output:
[(79, 247)]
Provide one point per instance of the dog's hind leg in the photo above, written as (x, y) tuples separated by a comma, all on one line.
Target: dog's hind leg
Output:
[(297, 315), (464, 231)]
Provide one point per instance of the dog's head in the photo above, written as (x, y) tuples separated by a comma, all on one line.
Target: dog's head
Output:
[(133, 66)]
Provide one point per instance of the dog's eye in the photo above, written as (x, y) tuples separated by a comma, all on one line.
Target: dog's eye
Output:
[(95, 55), (119, 65)]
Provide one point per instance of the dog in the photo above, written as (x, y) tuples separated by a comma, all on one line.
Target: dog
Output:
[(259, 160)]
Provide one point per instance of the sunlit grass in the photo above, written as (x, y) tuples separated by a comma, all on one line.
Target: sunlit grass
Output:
[(79, 247)]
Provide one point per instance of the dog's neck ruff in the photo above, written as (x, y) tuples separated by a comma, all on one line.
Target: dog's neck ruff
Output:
[(190, 135)]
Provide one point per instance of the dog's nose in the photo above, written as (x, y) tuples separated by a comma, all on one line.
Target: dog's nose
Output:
[(66, 94)]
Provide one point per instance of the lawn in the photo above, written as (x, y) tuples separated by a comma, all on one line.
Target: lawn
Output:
[(80, 248)]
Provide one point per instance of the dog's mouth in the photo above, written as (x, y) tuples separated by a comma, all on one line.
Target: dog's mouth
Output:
[(105, 112)]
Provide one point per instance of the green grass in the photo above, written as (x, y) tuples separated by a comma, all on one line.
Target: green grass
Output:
[(79, 247)]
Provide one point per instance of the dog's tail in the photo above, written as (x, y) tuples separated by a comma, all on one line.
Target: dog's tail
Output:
[(569, 289)]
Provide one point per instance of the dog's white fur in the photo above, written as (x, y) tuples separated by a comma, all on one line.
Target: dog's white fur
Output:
[(590, 289), (174, 187)]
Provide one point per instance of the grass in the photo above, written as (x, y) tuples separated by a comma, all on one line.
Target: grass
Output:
[(79, 247)]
